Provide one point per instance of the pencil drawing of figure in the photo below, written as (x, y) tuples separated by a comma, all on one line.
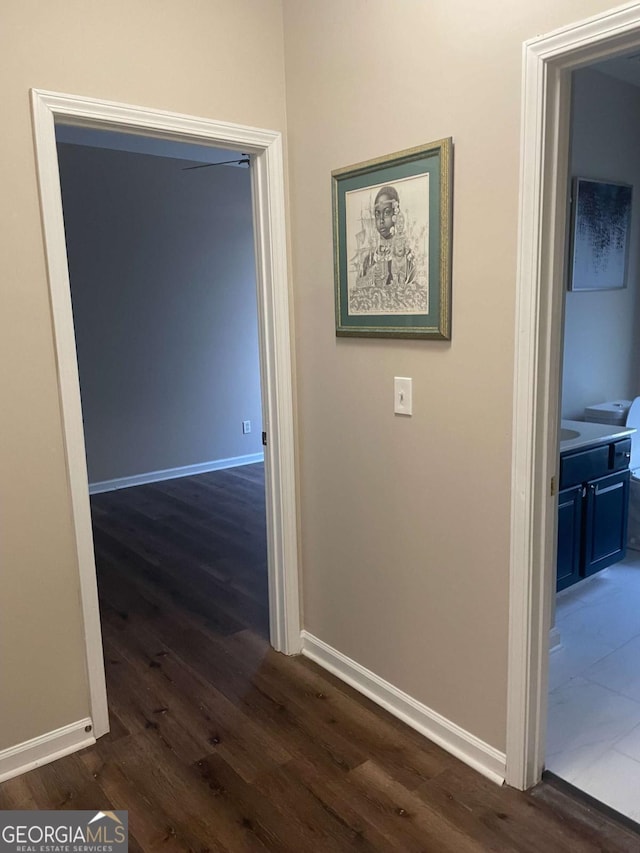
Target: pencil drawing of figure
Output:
[(388, 249), (392, 260)]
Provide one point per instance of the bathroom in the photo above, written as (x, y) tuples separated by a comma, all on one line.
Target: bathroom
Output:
[(593, 731)]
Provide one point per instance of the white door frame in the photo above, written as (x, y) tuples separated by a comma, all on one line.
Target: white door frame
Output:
[(267, 181), (547, 62)]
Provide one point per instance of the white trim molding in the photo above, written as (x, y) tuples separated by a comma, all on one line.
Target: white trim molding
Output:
[(555, 640), (456, 740), (101, 486), (547, 62), (49, 747), (265, 149)]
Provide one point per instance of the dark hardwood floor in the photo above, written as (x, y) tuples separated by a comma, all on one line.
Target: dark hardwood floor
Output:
[(218, 743)]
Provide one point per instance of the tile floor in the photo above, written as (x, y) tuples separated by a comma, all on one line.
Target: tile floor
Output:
[(593, 730)]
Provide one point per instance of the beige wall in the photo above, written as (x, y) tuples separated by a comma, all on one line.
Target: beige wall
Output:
[(204, 57), (405, 522)]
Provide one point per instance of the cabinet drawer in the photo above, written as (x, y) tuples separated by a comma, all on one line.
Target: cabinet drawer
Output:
[(620, 454), (585, 465)]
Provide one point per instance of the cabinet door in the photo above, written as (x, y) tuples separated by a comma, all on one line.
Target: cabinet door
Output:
[(605, 521), (569, 528)]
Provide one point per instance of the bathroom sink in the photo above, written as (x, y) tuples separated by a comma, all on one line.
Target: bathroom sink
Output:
[(568, 434)]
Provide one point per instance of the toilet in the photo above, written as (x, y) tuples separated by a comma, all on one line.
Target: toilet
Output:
[(614, 412), (633, 528), (625, 413)]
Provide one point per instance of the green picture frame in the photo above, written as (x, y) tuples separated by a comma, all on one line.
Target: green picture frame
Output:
[(392, 224)]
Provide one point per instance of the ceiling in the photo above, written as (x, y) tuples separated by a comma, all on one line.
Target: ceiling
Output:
[(139, 144), (625, 67)]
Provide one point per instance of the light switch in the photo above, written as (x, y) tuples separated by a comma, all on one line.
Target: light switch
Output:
[(402, 402)]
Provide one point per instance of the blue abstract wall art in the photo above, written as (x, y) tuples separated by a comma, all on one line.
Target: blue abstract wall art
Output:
[(600, 235)]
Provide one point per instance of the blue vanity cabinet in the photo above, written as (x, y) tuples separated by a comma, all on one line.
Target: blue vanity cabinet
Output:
[(593, 505), (606, 510), (569, 533)]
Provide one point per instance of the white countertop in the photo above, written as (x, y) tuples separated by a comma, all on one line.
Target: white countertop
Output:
[(589, 433)]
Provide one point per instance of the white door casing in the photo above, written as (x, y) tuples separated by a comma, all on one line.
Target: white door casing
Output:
[(265, 148), (547, 62)]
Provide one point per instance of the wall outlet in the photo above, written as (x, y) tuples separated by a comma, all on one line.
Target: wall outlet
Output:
[(246, 427)]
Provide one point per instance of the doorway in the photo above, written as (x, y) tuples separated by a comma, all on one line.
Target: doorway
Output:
[(265, 149), (594, 678), (548, 62)]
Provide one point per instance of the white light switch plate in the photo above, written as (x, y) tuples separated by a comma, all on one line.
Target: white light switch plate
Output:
[(402, 395)]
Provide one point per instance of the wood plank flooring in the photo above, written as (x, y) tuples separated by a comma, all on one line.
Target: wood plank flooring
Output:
[(218, 743)]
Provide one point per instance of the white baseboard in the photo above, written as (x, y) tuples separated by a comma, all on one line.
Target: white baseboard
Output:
[(173, 473), (465, 746), (555, 643), (41, 750)]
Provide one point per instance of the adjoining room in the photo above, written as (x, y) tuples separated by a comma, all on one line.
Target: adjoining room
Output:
[(593, 739)]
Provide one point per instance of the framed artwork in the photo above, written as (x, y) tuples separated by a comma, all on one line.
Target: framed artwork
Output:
[(392, 244), (601, 219)]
